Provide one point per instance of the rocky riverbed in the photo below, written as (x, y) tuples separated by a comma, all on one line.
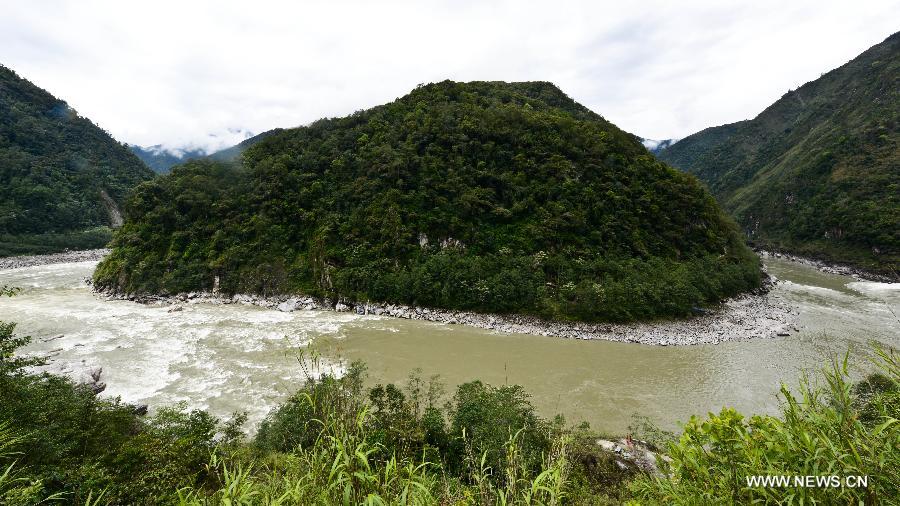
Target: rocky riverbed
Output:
[(55, 258), (830, 268), (750, 316)]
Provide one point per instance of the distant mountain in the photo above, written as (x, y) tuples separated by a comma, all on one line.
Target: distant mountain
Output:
[(655, 146), (818, 172), (161, 159), (231, 154), (485, 196), (62, 178)]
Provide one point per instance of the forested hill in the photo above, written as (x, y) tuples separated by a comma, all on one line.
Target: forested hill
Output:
[(818, 172), (484, 196), (60, 175)]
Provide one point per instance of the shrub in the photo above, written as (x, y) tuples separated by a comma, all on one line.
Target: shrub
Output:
[(820, 432)]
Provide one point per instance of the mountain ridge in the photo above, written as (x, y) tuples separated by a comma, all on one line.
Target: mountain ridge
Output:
[(816, 173), (55, 168)]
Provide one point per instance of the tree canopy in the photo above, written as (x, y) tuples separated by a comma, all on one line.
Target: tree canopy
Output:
[(487, 196), (59, 173)]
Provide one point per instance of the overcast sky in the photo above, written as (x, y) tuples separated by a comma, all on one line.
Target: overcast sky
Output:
[(178, 72)]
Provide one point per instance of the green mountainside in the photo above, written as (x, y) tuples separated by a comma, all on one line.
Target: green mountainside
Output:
[(484, 196), (62, 178), (818, 172)]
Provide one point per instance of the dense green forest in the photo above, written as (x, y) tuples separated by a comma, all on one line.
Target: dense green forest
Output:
[(818, 172), (59, 173), (481, 196), (335, 442)]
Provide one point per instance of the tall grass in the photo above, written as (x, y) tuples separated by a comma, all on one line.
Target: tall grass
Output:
[(9, 439), (343, 467), (830, 429)]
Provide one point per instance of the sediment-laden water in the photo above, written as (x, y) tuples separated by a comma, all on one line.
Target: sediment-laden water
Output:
[(242, 357)]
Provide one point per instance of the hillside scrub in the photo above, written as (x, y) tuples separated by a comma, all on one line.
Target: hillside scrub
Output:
[(490, 197)]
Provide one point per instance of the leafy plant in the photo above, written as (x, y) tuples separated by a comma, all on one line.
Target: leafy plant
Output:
[(820, 433)]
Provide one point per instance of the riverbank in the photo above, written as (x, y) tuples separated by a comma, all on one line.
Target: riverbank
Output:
[(750, 316), (216, 355), (828, 267), (53, 258)]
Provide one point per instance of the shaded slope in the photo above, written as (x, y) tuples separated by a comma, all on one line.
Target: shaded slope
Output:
[(482, 196), (818, 172)]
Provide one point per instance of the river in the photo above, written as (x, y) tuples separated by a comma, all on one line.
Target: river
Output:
[(226, 358)]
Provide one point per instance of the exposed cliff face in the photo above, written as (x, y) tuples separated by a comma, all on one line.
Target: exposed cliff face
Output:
[(115, 216), (817, 172)]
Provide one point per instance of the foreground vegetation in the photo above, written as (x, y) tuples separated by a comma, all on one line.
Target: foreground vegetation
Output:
[(54, 169), (334, 442), (493, 197), (818, 172)]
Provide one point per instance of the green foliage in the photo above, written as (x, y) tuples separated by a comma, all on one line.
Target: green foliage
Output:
[(454, 196), (821, 432), (484, 418), (59, 440), (818, 172), (329, 445), (10, 364), (40, 244), (322, 403), (73, 444), (354, 463), (55, 167)]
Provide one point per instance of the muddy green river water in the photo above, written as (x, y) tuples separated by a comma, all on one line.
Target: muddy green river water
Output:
[(235, 357)]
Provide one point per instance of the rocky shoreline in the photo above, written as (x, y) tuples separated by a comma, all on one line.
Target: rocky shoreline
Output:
[(750, 316), (54, 258), (830, 268)]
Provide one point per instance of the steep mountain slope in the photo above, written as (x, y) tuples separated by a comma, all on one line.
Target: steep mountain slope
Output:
[(161, 159), (61, 176), (818, 172), (485, 196)]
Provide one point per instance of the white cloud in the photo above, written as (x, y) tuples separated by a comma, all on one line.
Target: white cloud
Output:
[(174, 72)]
